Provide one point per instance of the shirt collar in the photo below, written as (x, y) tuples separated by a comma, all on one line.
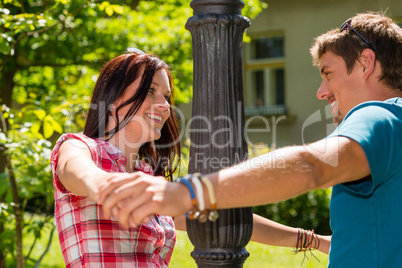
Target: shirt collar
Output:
[(114, 152), (117, 155)]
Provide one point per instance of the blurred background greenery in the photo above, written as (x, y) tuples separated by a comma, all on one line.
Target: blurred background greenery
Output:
[(51, 54)]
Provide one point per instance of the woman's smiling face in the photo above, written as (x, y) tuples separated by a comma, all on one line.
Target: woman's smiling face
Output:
[(146, 125)]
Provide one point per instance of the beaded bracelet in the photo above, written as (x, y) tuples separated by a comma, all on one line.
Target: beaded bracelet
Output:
[(213, 214), (306, 241), (193, 214), (200, 197)]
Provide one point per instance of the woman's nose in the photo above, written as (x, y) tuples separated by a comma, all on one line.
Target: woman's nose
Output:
[(165, 106), (163, 103)]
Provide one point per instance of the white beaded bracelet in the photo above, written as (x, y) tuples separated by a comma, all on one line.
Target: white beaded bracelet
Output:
[(213, 214)]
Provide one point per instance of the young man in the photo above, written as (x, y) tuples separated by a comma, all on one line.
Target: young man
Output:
[(361, 68)]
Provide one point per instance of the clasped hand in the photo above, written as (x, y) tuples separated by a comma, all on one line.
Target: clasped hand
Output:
[(134, 198)]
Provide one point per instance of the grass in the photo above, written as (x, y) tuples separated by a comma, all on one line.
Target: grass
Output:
[(53, 257), (261, 256)]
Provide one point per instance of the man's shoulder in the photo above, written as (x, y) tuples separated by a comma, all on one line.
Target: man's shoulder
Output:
[(387, 104), (377, 109), (372, 120)]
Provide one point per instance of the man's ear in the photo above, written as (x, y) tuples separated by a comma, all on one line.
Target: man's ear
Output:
[(367, 59)]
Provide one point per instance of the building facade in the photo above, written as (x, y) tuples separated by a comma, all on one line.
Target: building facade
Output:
[(280, 82)]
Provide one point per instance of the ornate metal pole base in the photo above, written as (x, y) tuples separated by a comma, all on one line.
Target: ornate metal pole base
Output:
[(217, 130), (220, 257)]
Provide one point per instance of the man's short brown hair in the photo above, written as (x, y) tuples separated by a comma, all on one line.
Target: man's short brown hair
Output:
[(378, 29)]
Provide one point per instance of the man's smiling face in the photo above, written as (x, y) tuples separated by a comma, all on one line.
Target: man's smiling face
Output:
[(338, 86)]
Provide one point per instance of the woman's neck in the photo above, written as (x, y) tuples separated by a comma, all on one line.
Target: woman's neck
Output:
[(130, 151)]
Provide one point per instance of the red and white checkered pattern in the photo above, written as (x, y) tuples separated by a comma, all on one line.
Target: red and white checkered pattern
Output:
[(88, 239)]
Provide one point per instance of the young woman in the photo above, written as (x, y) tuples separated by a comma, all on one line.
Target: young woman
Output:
[(129, 128)]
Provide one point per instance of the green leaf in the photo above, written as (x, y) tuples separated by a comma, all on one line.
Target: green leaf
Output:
[(47, 129), (35, 128), (64, 2), (40, 114), (28, 107), (118, 9), (50, 125), (5, 47), (56, 126), (103, 5), (13, 2), (109, 10)]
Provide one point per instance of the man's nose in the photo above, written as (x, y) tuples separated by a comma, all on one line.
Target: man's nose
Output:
[(322, 92)]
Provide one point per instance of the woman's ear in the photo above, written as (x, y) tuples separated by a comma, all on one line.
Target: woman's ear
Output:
[(112, 121), (112, 110), (115, 105)]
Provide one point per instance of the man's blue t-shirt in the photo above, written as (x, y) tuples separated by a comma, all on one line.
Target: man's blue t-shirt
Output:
[(366, 216)]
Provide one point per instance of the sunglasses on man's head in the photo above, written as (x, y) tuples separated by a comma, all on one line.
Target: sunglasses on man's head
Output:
[(346, 25)]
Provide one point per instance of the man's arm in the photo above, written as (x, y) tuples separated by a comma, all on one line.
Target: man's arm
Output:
[(289, 172), (273, 177)]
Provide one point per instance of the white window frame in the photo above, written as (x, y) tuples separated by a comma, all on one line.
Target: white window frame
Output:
[(266, 65)]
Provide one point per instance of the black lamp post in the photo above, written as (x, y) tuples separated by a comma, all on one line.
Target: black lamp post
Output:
[(217, 131)]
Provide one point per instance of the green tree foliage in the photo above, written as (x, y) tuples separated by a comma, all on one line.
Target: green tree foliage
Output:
[(308, 211), (51, 52)]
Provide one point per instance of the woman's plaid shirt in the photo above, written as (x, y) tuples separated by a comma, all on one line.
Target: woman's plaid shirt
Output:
[(88, 239)]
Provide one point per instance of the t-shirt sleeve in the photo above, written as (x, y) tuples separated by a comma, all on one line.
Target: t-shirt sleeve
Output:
[(91, 144), (372, 126)]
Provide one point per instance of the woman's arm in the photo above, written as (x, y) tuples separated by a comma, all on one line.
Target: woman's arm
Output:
[(180, 223), (76, 170), (272, 233)]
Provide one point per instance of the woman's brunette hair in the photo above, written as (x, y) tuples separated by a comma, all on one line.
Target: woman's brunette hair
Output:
[(162, 155)]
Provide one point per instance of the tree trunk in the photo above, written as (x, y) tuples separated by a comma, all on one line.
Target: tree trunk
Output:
[(6, 91), (17, 212)]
